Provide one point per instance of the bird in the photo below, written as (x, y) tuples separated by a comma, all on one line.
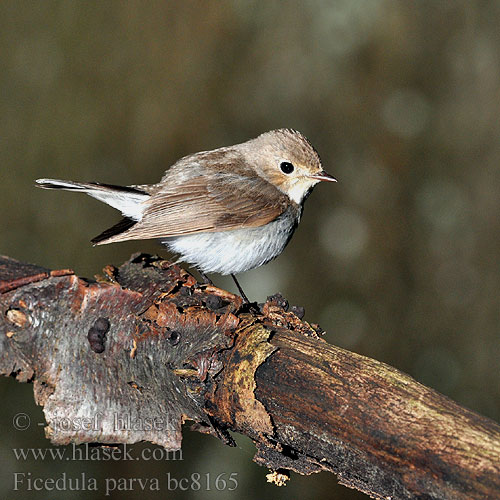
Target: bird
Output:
[(226, 211)]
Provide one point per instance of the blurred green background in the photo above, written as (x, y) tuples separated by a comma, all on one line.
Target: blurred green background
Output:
[(398, 261)]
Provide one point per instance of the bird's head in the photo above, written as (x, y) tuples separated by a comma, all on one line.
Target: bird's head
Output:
[(286, 159)]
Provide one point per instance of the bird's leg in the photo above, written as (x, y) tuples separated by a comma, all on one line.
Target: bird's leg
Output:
[(242, 293), (205, 278)]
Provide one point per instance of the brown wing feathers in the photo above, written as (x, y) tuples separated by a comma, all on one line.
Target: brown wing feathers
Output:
[(229, 201)]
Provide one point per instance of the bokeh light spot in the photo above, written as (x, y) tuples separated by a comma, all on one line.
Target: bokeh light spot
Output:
[(405, 113), (344, 234)]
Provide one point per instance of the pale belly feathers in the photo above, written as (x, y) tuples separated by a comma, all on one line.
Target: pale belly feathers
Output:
[(233, 252)]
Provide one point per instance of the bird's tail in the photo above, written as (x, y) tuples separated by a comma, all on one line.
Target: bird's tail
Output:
[(129, 200)]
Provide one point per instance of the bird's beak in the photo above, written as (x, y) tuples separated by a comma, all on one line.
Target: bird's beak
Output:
[(323, 176)]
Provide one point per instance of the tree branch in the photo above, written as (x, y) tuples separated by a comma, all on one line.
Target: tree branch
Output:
[(131, 356)]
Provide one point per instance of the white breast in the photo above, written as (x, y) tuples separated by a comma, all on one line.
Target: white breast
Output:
[(233, 252)]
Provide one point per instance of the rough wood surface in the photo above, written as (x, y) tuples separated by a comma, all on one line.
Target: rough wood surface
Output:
[(135, 354)]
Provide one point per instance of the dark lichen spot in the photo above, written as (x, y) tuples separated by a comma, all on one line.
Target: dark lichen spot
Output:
[(278, 300), (214, 302), (97, 347), (236, 357), (174, 337), (97, 334), (102, 324), (299, 311), (185, 291)]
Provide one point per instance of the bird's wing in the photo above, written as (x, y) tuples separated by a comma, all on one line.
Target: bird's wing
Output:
[(226, 202)]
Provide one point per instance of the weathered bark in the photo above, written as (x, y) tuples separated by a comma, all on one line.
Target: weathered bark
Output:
[(133, 355)]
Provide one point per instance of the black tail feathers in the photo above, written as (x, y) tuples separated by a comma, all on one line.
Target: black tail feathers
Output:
[(122, 226)]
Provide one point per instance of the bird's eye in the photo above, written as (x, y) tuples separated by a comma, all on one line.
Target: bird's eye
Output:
[(286, 167)]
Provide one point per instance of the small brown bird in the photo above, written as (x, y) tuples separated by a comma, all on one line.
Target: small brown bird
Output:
[(223, 211)]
